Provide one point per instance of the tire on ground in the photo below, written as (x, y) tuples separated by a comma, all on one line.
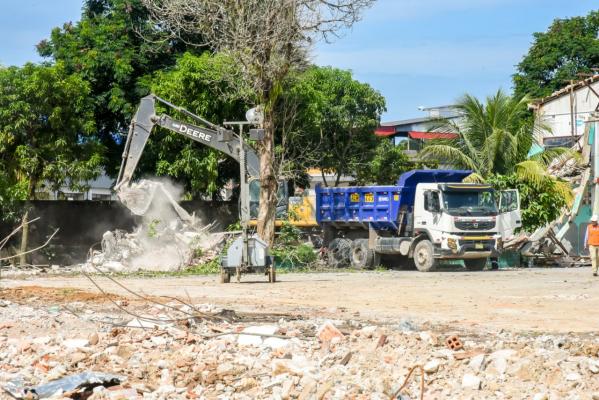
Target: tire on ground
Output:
[(424, 256), (475, 264), (339, 253), (361, 256)]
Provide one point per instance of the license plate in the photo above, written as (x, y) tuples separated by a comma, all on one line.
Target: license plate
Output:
[(479, 246), (354, 197), (369, 198)]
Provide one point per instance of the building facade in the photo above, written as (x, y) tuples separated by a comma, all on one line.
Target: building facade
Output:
[(562, 118), (413, 133)]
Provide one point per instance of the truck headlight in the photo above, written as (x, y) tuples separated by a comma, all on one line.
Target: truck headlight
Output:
[(452, 244)]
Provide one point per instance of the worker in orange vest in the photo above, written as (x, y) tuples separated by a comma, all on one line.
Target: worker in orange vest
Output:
[(592, 242)]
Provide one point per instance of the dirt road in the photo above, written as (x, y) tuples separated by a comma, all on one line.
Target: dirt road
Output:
[(547, 300)]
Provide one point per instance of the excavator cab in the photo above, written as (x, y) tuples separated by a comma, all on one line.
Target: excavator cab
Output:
[(282, 199)]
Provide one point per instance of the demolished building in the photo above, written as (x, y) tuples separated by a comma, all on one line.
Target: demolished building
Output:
[(568, 118)]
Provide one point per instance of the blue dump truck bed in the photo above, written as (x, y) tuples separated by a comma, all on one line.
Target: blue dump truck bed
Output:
[(377, 206)]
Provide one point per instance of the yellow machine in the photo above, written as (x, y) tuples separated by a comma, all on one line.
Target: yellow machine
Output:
[(301, 211)]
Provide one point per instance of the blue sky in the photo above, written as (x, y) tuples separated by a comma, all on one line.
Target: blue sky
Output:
[(415, 52)]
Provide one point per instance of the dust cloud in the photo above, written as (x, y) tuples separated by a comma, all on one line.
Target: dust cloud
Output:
[(167, 239)]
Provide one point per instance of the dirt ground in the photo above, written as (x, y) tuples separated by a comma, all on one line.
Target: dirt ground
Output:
[(544, 300)]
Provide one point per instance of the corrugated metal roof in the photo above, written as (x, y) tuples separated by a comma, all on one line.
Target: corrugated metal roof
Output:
[(407, 121), (566, 90)]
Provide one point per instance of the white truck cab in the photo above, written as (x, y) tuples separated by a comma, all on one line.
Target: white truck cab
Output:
[(463, 221)]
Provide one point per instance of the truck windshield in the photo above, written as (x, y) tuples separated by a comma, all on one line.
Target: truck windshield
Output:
[(475, 202)]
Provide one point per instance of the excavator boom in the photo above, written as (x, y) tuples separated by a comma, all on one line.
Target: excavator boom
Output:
[(213, 136)]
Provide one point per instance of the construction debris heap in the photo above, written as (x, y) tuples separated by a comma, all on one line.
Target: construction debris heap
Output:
[(168, 238)]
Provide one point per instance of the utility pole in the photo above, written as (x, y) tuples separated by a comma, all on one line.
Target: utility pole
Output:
[(254, 118)]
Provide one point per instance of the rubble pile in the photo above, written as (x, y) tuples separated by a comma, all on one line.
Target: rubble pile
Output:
[(168, 238), (152, 355)]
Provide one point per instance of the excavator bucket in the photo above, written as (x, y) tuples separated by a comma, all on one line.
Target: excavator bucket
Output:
[(145, 195)]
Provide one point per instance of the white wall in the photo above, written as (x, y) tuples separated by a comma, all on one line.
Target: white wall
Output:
[(555, 113)]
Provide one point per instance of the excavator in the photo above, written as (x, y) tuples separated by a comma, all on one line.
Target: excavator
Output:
[(246, 254), (301, 208)]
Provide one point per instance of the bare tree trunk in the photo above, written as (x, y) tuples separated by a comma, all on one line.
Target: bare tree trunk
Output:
[(25, 223), (324, 179), (338, 178), (24, 239), (268, 184)]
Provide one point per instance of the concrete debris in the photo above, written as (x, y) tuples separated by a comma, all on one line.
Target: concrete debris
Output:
[(470, 381), (329, 333), (476, 362), (83, 381), (167, 239), (156, 357), (432, 366)]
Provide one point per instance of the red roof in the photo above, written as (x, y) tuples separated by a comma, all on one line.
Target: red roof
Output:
[(385, 131), (390, 131), (432, 135)]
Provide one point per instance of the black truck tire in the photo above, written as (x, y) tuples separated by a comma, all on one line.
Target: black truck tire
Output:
[(475, 264), (361, 256), (424, 256), (339, 253)]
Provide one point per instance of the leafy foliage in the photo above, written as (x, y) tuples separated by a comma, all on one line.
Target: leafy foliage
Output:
[(202, 85), (388, 162), (115, 48), (494, 138), (46, 130), (10, 194), (289, 252), (336, 116), (294, 257), (569, 46), (540, 203)]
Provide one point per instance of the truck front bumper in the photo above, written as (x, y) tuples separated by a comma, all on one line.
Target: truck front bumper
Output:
[(466, 247)]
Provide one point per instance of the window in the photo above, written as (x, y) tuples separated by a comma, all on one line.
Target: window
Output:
[(560, 141), (509, 201), (71, 196), (470, 202), (432, 202), (101, 197)]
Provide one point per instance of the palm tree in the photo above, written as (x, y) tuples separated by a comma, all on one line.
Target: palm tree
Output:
[(495, 139)]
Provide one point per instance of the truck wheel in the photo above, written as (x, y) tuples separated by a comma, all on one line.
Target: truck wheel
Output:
[(361, 256), (424, 256), (476, 264), (339, 253)]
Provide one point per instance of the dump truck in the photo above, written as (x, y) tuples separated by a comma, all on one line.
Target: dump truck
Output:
[(426, 218)]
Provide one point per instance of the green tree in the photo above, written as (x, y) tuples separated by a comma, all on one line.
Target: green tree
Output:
[(388, 162), (269, 39), (570, 46), (336, 118), (115, 48), (46, 131), (202, 85), (540, 203), (494, 138)]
